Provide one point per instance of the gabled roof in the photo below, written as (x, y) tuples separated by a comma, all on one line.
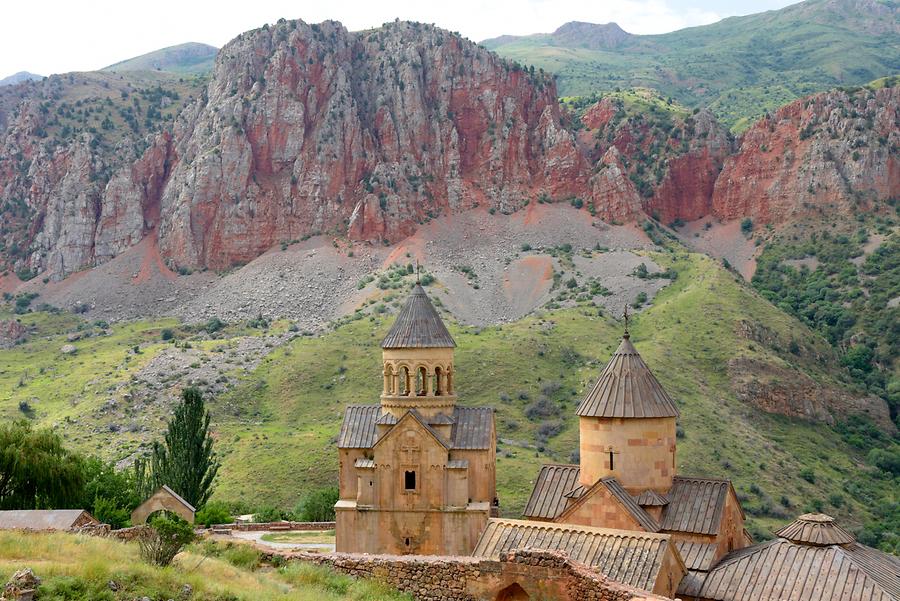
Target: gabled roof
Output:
[(176, 496), (697, 556), (627, 388), (548, 497), (780, 569), (625, 500), (816, 529), (695, 505), (42, 519), (472, 427), (651, 498), (633, 558), (418, 325), (358, 427), (413, 414)]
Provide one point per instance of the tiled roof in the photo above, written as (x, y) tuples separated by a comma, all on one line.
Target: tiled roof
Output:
[(548, 497), (697, 556), (363, 463), (39, 519), (472, 427), (177, 497), (458, 464), (816, 529), (695, 505), (358, 427), (651, 498), (633, 558), (627, 388), (418, 325), (387, 419), (780, 569)]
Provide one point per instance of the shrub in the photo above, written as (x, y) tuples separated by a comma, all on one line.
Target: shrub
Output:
[(317, 506), (167, 334), (214, 325), (164, 539), (242, 556), (270, 514), (808, 475), (747, 225), (542, 408), (214, 512), (108, 512)]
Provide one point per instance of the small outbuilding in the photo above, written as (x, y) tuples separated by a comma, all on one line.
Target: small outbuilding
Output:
[(46, 519), (164, 499)]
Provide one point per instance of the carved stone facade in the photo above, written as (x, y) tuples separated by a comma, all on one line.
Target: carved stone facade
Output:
[(417, 473)]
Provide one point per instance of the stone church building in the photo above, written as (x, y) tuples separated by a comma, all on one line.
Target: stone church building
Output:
[(417, 472), (417, 476)]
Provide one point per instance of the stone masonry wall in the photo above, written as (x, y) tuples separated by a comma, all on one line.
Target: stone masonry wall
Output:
[(541, 574)]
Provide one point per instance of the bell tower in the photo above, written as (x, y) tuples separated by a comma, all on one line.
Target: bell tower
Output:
[(417, 361)]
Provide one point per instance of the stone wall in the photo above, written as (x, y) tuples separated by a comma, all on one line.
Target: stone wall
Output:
[(265, 526), (522, 574)]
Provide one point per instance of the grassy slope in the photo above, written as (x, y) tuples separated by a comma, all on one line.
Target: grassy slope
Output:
[(277, 428), (291, 408), (75, 567), (740, 67), (186, 59)]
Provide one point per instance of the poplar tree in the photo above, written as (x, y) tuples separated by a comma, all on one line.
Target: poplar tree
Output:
[(185, 461)]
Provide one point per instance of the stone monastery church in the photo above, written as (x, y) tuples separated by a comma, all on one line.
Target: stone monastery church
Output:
[(417, 476)]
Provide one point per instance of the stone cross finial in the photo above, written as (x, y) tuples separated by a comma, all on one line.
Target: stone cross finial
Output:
[(417, 272), (625, 315)]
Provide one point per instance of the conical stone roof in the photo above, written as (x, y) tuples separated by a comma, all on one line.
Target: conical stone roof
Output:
[(418, 325), (815, 529), (627, 388)]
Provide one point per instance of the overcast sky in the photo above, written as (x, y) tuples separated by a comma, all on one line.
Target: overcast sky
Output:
[(56, 36)]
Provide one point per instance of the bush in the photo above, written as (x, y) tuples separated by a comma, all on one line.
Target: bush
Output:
[(747, 225), (271, 514), (808, 475), (317, 506), (164, 539), (542, 408), (212, 513), (214, 325), (241, 556), (108, 512), (167, 335)]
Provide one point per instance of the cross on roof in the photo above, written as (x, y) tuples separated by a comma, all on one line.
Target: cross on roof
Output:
[(625, 315), (417, 272)]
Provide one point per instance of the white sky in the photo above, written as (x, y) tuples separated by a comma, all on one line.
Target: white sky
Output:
[(56, 36)]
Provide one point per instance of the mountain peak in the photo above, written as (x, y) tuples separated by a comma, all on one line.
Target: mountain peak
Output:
[(594, 36), (19, 78), (191, 57)]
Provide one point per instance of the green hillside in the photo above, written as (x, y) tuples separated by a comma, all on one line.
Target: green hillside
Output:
[(185, 59), (277, 427), (740, 67)]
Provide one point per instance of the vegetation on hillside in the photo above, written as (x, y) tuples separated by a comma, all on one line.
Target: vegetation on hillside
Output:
[(739, 67), (73, 567)]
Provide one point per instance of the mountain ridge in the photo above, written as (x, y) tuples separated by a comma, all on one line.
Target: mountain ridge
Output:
[(739, 67), (188, 58)]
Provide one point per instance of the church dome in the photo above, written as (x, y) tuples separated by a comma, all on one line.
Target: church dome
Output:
[(815, 529), (418, 325), (627, 388)]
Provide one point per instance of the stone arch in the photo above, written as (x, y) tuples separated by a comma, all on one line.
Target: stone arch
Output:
[(403, 383), (438, 381), (514, 592), (421, 380), (388, 378)]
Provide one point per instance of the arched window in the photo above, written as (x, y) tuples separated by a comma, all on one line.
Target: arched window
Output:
[(388, 379), (421, 381), (438, 381), (403, 384)]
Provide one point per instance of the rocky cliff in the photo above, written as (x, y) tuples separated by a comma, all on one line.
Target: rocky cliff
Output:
[(307, 128), (833, 153), (310, 128)]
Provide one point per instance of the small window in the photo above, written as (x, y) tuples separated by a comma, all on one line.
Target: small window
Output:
[(407, 542), (409, 480)]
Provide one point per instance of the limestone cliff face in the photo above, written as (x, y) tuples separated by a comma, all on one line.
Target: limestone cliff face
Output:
[(313, 128), (672, 162), (830, 153)]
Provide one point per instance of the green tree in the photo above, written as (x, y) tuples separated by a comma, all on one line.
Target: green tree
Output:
[(185, 461), (318, 506), (109, 495), (36, 471), (166, 537)]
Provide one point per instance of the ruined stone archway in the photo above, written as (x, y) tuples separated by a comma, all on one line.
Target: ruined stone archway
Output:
[(514, 592)]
